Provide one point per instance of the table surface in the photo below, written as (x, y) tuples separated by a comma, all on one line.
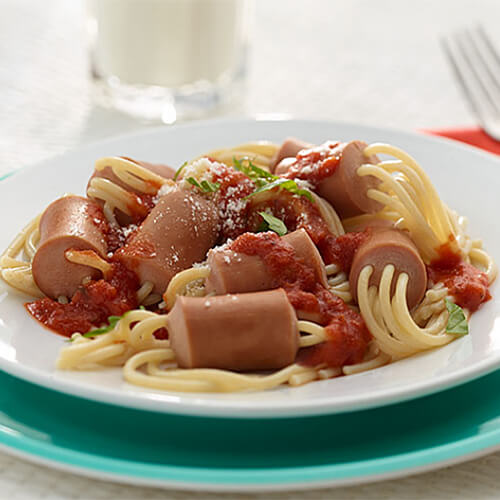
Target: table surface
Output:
[(371, 62)]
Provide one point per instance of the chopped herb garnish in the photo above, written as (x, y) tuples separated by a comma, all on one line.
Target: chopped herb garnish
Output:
[(205, 186), (179, 170), (258, 175), (273, 224), (112, 321), (288, 184), (264, 180), (457, 322), (210, 187)]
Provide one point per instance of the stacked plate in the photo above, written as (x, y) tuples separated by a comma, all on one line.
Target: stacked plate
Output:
[(378, 424)]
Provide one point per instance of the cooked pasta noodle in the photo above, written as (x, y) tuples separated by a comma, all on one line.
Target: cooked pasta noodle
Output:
[(260, 153), (329, 215), (16, 272), (412, 196), (338, 283), (409, 202), (179, 283), (88, 258), (134, 334), (116, 197), (395, 331)]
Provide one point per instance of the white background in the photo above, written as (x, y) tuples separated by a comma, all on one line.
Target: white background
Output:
[(375, 62)]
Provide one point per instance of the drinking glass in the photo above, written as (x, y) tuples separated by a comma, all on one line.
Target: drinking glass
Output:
[(168, 59)]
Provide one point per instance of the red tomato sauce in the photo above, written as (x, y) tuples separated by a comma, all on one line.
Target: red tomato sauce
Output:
[(144, 164), (140, 206), (95, 214), (113, 234), (115, 238), (138, 245), (341, 250), (91, 304), (230, 200), (348, 336), (315, 164), (297, 212), (467, 284)]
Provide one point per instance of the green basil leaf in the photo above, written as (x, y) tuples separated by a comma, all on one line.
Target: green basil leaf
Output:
[(304, 192), (281, 182), (274, 224), (260, 172), (100, 331), (457, 322), (194, 182), (238, 165), (264, 180), (112, 321), (252, 171), (288, 184), (260, 182), (205, 186), (263, 227), (209, 187), (179, 170)]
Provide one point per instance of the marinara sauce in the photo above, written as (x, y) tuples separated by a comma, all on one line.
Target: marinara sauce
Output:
[(348, 336), (90, 305), (230, 199), (467, 284), (340, 250), (140, 205), (297, 212), (315, 164)]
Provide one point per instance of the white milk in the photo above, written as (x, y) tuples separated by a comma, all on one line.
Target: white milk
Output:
[(168, 43)]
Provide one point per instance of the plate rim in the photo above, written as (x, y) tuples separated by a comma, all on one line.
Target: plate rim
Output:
[(192, 407), (38, 449)]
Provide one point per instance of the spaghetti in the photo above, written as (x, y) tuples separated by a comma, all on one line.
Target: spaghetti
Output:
[(237, 187)]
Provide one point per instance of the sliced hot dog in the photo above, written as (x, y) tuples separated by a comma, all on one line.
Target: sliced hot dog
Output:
[(372, 223), (107, 173), (345, 189), (288, 149), (391, 246), (332, 169), (75, 223), (251, 331), (307, 251), (234, 272), (157, 168), (178, 232)]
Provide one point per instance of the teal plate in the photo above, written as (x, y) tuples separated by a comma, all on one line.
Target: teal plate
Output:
[(126, 445)]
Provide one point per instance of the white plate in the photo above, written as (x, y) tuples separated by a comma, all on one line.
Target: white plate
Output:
[(466, 178)]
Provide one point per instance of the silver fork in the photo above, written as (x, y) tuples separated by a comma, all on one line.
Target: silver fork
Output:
[(476, 66)]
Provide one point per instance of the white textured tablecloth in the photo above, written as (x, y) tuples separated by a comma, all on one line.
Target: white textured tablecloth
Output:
[(374, 62)]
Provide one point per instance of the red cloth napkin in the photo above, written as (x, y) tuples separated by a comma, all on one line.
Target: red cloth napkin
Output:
[(473, 136)]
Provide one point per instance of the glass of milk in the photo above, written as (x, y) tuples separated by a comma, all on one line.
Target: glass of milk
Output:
[(168, 59)]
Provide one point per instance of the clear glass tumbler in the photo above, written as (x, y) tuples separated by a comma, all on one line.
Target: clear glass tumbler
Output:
[(168, 59)]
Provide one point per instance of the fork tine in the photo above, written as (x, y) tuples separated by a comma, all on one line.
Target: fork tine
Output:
[(488, 43), (476, 70), (493, 55), (457, 67), (484, 65)]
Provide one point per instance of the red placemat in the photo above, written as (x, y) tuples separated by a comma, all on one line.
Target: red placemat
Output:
[(474, 136)]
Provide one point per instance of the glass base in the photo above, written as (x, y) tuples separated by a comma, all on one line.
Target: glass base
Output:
[(166, 105)]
